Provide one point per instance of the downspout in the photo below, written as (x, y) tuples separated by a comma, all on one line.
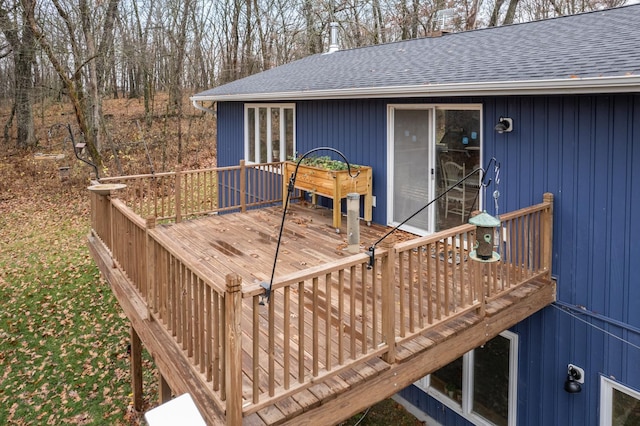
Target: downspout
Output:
[(196, 105)]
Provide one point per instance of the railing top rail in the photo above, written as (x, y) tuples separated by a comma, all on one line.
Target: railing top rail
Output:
[(525, 211), (172, 173), (128, 213), (313, 272), (135, 177), (428, 239)]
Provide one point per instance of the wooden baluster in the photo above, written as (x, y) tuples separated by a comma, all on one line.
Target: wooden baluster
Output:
[(178, 201), (243, 187)]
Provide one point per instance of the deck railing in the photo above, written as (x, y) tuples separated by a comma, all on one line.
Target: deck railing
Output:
[(320, 321), (172, 196)]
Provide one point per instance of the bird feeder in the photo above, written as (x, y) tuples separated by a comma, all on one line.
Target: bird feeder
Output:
[(485, 230), (353, 222)]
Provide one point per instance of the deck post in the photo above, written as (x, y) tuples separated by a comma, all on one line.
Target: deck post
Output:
[(547, 233), (136, 369), (178, 186), (164, 391), (243, 187), (233, 348), (388, 298)]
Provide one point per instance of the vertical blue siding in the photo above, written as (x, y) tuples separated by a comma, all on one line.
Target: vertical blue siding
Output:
[(230, 133), (585, 149), (356, 128)]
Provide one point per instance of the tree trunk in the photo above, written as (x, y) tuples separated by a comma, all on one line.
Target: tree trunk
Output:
[(23, 45), (495, 15), (94, 112), (24, 77), (511, 12)]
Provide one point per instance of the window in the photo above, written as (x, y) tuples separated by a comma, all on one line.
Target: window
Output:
[(269, 132), (481, 385), (619, 405)]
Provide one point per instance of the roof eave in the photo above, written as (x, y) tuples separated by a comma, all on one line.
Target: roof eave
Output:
[(586, 85)]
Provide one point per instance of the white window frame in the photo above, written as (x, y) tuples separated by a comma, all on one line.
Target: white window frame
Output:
[(607, 386), (283, 141), (465, 409)]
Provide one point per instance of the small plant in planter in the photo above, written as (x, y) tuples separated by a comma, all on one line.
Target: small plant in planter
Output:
[(324, 162), (450, 388)]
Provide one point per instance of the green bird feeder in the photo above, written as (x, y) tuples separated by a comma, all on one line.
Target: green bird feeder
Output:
[(485, 230)]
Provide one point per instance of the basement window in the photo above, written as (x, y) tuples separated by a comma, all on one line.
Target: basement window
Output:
[(619, 405), (269, 132), (481, 385)]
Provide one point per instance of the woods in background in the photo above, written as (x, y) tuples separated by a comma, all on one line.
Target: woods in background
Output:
[(87, 50)]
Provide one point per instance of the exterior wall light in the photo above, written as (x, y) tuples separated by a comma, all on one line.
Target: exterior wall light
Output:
[(505, 124), (575, 379)]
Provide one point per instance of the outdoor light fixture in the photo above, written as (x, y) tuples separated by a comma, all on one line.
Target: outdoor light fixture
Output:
[(505, 124), (264, 298), (575, 379)]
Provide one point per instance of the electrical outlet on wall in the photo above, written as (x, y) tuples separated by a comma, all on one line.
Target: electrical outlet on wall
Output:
[(373, 201)]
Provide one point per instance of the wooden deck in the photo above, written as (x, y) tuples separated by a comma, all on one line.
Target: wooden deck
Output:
[(336, 336)]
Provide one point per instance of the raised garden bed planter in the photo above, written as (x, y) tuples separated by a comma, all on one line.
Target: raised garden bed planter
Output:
[(334, 184)]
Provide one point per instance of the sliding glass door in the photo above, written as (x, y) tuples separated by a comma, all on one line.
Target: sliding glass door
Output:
[(432, 147)]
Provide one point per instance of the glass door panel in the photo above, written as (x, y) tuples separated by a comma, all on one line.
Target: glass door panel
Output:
[(411, 169), (457, 154)]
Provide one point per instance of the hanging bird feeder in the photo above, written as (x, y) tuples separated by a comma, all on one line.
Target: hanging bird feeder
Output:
[(485, 230)]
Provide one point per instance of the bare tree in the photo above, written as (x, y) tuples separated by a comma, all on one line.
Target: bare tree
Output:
[(84, 54), (22, 42)]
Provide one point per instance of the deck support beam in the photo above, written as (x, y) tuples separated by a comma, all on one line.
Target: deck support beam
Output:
[(136, 369)]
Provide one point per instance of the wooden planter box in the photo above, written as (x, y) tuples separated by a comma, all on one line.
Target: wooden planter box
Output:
[(334, 184)]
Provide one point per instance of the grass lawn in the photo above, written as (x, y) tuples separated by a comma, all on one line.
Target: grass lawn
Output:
[(63, 339)]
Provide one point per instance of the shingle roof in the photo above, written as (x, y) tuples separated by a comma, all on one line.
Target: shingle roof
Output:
[(603, 45)]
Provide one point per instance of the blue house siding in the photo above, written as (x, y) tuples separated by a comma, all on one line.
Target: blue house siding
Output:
[(585, 149), (356, 128), (230, 133)]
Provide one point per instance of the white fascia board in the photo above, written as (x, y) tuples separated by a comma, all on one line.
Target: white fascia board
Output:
[(618, 84)]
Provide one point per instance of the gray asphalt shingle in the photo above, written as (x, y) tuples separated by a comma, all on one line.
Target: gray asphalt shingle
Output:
[(595, 44)]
